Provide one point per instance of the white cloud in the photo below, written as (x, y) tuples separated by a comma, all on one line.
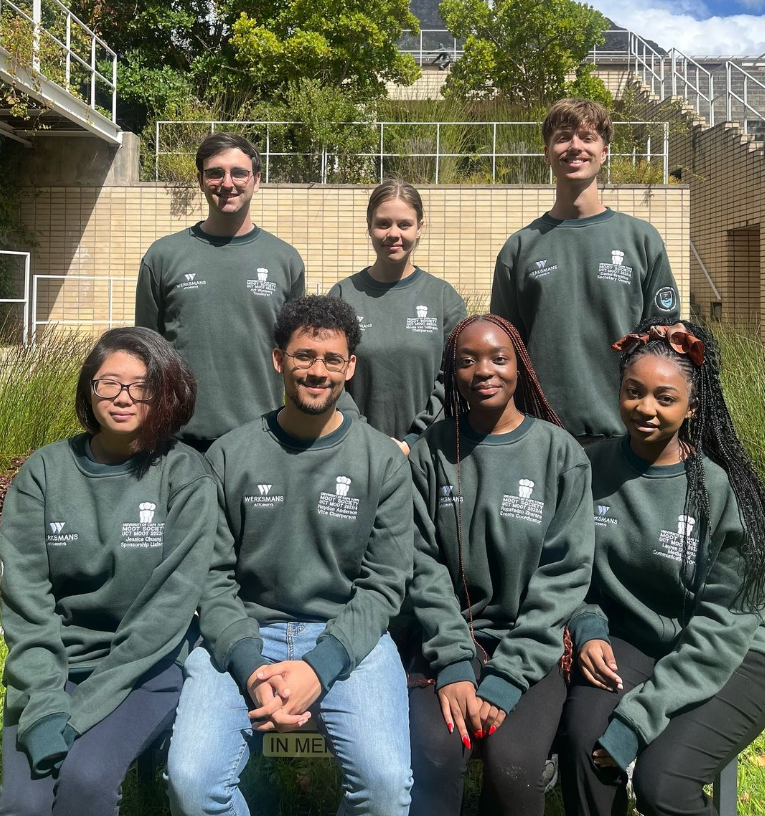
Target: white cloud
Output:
[(755, 5), (737, 34)]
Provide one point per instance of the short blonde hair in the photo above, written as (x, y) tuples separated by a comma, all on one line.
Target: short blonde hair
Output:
[(573, 113)]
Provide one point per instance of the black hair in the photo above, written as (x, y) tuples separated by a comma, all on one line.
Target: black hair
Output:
[(218, 142), (317, 312), (710, 432), (167, 376)]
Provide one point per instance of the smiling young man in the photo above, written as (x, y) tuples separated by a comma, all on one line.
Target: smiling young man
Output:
[(213, 290), (580, 276), (313, 552)]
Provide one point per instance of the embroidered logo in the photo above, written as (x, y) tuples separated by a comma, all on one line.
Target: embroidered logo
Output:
[(57, 537), (447, 497), (362, 325), (522, 506), (616, 270), (261, 286), (422, 324), (264, 498), (542, 269), (672, 543), (146, 533), (339, 504), (666, 299), (602, 519), (191, 282)]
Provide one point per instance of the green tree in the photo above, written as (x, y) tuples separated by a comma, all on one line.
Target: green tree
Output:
[(520, 49), (345, 43)]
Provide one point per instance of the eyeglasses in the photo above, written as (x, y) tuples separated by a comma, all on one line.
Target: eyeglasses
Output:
[(332, 362), (111, 389), (216, 175)]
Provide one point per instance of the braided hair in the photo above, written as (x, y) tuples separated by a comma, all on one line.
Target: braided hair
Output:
[(529, 398), (710, 432)]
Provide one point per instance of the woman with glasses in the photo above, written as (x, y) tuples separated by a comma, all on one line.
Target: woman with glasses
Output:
[(106, 539), (503, 552), (405, 315), (670, 648)]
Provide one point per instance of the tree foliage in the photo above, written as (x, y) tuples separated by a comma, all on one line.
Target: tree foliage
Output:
[(520, 49)]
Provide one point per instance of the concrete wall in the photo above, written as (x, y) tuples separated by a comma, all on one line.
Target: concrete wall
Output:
[(92, 232)]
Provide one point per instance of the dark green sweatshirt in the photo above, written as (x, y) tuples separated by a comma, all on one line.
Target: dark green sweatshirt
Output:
[(308, 530), (572, 288), (397, 385), (694, 633), (527, 550), (216, 301), (102, 572)]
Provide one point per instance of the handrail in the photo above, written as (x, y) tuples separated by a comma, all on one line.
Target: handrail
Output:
[(687, 84), (731, 95), (648, 61), (711, 283), (436, 53), (95, 42)]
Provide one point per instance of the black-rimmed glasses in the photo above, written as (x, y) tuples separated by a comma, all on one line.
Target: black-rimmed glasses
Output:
[(332, 362), (111, 389)]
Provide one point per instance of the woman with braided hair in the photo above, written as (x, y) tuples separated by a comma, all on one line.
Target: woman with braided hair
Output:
[(671, 651), (504, 543)]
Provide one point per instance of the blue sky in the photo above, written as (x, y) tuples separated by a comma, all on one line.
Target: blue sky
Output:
[(730, 27)]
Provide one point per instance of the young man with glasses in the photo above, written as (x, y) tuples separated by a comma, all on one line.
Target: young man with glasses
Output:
[(213, 290), (313, 552)]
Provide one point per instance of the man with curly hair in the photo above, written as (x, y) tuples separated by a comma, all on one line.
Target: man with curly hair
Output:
[(313, 552)]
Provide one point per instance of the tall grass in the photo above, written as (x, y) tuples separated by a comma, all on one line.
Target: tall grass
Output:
[(37, 385)]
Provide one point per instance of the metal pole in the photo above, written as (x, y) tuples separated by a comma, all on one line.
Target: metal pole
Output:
[(438, 148), (268, 150), (93, 72), (711, 102), (34, 310), (156, 154), (666, 153), (36, 18), (382, 173), (26, 298), (114, 88), (494, 155), (729, 116), (68, 49)]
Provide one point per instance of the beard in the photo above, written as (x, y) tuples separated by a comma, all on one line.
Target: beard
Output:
[(316, 408)]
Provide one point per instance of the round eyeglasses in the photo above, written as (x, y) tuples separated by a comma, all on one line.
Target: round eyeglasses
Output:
[(332, 362), (111, 389), (216, 175)]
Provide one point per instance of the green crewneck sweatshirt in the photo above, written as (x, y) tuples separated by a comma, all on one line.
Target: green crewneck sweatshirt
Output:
[(687, 619), (309, 530), (572, 288), (398, 384), (527, 550), (102, 572), (216, 300)]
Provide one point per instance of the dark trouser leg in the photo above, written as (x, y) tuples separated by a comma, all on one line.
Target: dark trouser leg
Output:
[(514, 756), (671, 771), (438, 758), (21, 795), (588, 790)]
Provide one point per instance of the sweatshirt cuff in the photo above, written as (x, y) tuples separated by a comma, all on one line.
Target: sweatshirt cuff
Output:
[(243, 659), (499, 692), (329, 660), (461, 672), (47, 743), (410, 439), (621, 742), (588, 626)]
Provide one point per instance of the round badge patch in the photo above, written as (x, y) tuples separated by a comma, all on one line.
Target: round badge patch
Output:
[(666, 299)]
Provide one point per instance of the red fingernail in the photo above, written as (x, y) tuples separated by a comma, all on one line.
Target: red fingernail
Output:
[(466, 741), (450, 726), (479, 734), (492, 729)]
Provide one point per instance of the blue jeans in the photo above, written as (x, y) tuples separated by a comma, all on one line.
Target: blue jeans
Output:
[(364, 719)]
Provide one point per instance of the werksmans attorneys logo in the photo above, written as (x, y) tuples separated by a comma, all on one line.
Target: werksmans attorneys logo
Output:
[(190, 281), (422, 324), (339, 504), (362, 325), (261, 286), (265, 498), (541, 269), (57, 537), (522, 506), (602, 517), (446, 496)]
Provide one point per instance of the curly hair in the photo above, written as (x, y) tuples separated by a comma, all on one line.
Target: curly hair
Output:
[(167, 376), (317, 312), (710, 432)]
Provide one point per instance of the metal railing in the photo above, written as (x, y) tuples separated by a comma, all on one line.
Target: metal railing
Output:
[(437, 139), (731, 95), (694, 83), (25, 299), (54, 55), (109, 320), (432, 46)]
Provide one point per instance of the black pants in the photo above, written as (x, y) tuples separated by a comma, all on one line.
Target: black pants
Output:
[(89, 781), (513, 757), (671, 771)]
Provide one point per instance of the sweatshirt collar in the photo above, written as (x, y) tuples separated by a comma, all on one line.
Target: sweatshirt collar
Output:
[(224, 240), (495, 439), (289, 441), (646, 468), (370, 283), (83, 457), (578, 223)]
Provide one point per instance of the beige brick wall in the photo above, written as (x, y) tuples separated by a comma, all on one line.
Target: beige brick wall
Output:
[(104, 233), (725, 172)]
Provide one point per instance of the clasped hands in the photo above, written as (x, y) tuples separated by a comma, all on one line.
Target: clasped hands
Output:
[(598, 666), (461, 707), (283, 693)]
